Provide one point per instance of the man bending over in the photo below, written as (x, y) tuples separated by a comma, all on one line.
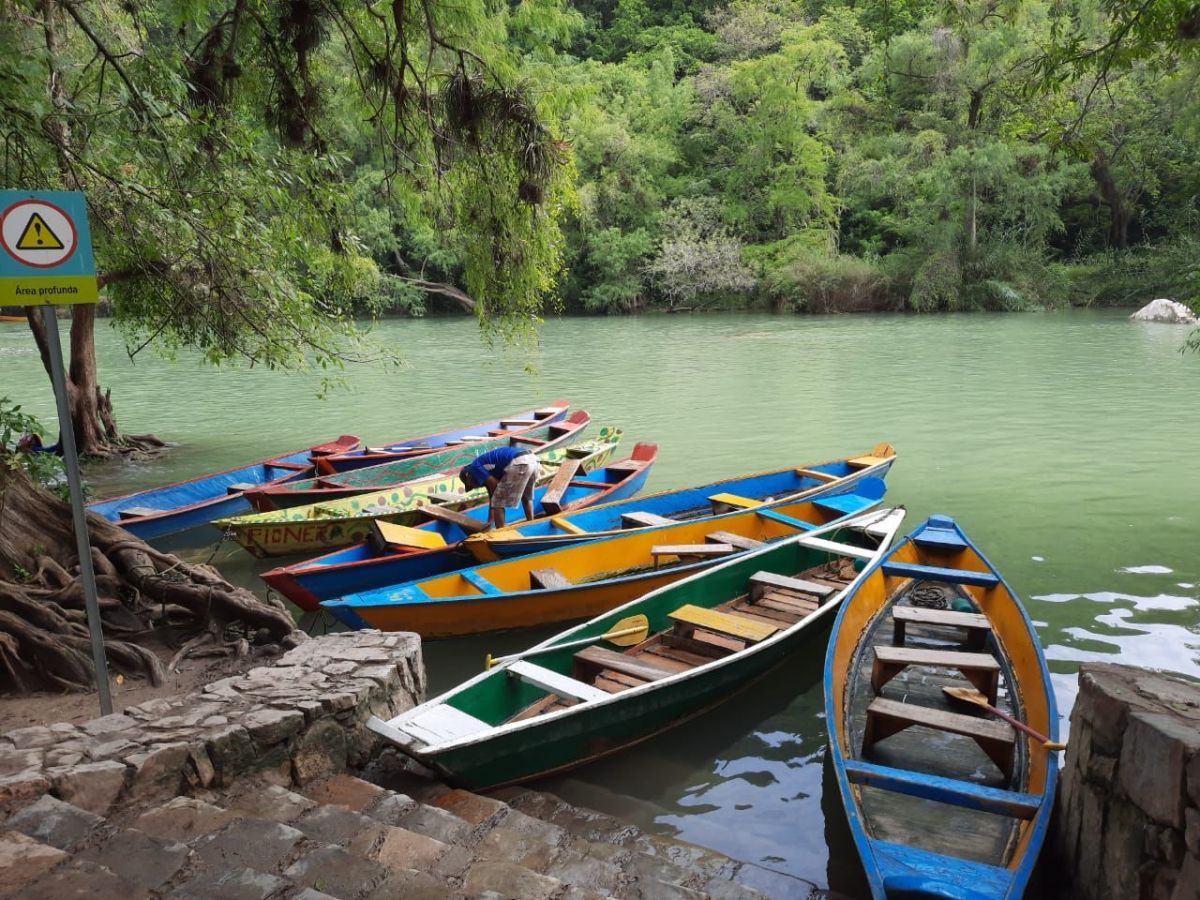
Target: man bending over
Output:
[(508, 474)]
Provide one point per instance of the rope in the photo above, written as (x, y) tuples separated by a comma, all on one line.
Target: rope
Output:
[(930, 596)]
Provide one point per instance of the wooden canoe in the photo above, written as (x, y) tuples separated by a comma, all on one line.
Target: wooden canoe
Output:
[(516, 423), (378, 563), (157, 512), (707, 637), (391, 476), (586, 579), (745, 491), (942, 800), (335, 523)]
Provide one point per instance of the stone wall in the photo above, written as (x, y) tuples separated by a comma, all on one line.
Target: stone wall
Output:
[(1128, 816), (297, 721)]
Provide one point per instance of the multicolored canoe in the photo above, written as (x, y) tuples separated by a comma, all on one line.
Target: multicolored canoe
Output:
[(944, 799), (390, 558), (160, 511), (390, 476), (335, 523), (743, 492), (587, 579), (598, 688), (418, 446)]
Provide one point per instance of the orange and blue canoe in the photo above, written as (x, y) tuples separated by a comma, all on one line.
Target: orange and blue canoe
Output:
[(943, 797)]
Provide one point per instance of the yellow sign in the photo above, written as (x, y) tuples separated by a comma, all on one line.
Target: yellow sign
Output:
[(38, 236), (45, 249)]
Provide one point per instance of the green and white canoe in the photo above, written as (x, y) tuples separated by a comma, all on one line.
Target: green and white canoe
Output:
[(573, 699)]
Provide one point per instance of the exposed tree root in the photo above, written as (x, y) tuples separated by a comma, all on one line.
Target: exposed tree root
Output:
[(44, 639)]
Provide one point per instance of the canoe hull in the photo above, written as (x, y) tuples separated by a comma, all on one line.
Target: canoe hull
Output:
[(362, 569)]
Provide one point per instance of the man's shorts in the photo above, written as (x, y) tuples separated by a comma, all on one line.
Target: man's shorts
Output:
[(517, 483)]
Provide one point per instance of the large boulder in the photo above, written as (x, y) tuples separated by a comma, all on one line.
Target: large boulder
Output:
[(1164, 310)]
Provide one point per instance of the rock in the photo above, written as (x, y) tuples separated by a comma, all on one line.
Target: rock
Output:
[(84, 880), (109, 724), (404, 849), (274, 802), (1192, 830), (14, 762), (1104, 702), (509, 880), (321, 752), (427, 820), (347, 791), (335, 825), (268, 727), (55, 823), (251, 842), (1158, 788), (140, 859), (411, 885), (16, 790), (91, 786), (22, 858), (158, 771), (1166, 311), (1187, 884), (336, 872), (32, 737), (230, 884), (231, 751), (470, 807), (184, 819)]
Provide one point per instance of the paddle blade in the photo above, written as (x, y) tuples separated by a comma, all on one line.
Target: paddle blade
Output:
[(629, 631), (967, 695)]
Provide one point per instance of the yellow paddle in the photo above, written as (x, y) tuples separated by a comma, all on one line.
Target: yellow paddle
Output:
[(968, 695), (626, 633)]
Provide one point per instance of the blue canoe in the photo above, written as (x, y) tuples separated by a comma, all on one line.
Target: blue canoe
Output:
[(160, 511), (362, 457), (369, 565), (957, 806), (745, 491)]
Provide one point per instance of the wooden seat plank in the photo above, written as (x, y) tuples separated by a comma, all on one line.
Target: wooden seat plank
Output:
[(479, 582), (545, 579), (644, 520), (554, 682), (689, 551), (817, 473), (887, 717), (790, 521), (981, 669), (136, 512), (442, 723), (790, 606), (944, 790), (690, 617), (977, 625), (725, 502), (940, 574), (762, 582), (597, 658), (838, 548), (767, 616), (627, 465), (444, 514), (525, 439), (862, 462), (567, 525), (552, 497), (517, 423), (728, 537)]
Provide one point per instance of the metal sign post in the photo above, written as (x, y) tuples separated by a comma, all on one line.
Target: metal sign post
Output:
[(48, 262)]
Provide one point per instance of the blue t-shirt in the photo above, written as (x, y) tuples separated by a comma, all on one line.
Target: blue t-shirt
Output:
[(494, 462)]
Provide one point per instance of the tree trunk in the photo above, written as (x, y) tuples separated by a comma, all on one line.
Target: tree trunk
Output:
[(43, 624), (1110, 195)]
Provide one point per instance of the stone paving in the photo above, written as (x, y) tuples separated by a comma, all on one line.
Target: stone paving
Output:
[(244, 791)]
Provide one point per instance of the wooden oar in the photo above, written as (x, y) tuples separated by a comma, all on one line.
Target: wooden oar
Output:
[(968, 695), (625, 633)]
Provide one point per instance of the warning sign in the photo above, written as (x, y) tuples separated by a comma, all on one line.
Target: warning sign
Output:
[(47, 256), (38, 236)]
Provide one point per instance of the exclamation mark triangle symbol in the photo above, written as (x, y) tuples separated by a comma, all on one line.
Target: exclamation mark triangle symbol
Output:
[(38, 236)]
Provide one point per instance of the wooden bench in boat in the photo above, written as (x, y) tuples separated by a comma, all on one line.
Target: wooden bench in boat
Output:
[(554, 683), (838, 548), (644, 520), (863, 462), (389, 534), (592, 660), (816, 473), (887, 717), (442, 723), (136, 512), (544, 579), (736, 540), (790, 521), (481, 584), (689, 552), (724, 503), (626, 465), (552, 497), (517, 423), (981, 669), (765, 582), (443, 514), (943, 540), (952, 791), (688, 618), (525, 439), (241, 487), (978, 627), (937, 573), (567, 525)]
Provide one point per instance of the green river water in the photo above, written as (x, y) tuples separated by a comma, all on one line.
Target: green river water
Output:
[(1064, 442)]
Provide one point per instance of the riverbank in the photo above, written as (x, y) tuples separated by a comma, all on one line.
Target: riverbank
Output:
[(244, 789)]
